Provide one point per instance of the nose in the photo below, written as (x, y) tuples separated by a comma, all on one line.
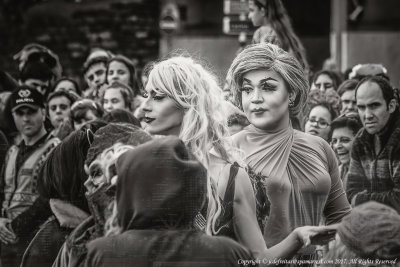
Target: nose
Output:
[(322, 88), (25, 117), (257, 98), (97, 80), (368, 114), (338, 145), (89, 185), (353, 107), (58, 110), (314, 123), (107, 106), (146, 106)]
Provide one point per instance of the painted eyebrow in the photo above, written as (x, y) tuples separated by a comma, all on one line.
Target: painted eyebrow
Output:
[(261, 81)]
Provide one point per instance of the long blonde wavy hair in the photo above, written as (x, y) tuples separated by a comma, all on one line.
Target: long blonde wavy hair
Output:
[(107, 160), (196, 91)]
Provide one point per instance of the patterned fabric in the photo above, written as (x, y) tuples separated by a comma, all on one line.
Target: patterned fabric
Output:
[(260, 193), (225, 221), (376, 177)]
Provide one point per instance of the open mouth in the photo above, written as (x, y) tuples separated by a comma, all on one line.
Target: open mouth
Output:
[(148, 120), (313, 132)]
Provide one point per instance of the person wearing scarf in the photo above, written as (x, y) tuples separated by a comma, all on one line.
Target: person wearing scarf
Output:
[(299, 171)]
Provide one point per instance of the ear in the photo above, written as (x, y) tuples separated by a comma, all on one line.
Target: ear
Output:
[(43, 113), (392, 105), (292, 96)]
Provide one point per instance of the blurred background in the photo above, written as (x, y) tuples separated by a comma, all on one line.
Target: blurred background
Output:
[(348, 32)]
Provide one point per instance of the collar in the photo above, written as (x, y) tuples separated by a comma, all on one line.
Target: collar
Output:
[(384, 135), (37, 143)]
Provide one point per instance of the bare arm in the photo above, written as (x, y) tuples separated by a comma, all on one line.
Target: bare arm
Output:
[(248, 231), (244, 216)]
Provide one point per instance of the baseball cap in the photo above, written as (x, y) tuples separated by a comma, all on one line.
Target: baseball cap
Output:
[(26, 96)]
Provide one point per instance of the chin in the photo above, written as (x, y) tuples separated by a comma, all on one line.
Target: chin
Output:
[(371, 130), (264, 126), (344, 161)]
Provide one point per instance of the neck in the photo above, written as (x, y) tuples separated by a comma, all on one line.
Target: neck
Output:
[(284, 123), (265, 22), (174, 130), (32, 140)]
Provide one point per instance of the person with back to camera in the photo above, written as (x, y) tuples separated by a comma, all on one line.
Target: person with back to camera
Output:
[(99, 190), (165, 173)]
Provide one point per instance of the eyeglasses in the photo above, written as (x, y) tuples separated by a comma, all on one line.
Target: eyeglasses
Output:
[(321, 123)]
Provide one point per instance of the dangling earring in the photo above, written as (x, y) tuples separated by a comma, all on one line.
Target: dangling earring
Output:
[(291, 103)]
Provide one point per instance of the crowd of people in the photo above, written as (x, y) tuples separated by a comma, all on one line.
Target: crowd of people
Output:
[(168, 168)]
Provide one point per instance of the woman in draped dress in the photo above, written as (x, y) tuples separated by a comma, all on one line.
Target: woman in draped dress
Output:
[(299, 171)]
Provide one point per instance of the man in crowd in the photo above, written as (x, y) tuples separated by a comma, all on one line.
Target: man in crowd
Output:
[(346, 92), (21, 167), (94, 72), (374, 172)]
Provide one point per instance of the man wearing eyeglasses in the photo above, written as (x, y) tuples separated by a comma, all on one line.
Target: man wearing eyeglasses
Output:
[(20, 173), (374, 171)]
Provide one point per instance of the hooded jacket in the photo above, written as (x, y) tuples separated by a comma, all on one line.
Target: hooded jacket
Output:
[(160, 189)]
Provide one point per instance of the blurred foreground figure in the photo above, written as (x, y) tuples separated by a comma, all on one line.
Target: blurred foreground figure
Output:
[(164, 173), (369, 236)]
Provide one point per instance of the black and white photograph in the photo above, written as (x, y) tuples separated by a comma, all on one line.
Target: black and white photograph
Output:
[(197, 133)]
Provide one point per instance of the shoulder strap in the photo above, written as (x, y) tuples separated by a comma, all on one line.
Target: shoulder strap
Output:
[(230, 188)]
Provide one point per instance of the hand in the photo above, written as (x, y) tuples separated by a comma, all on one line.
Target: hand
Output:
[(316, 235), (6, 236)]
